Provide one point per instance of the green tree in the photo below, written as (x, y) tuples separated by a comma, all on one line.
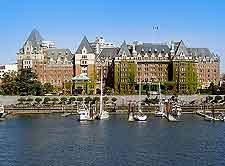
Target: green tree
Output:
[(105, 99), (30, 100), (47, 100), (48, 88), (63, 100), (96, 99), (8, 85), (72, 99), (26, 82), (55, 99), (107, 90), (80, 99), (38, 100), (217, 98), (88, 99), (21, 100), (114, 99)]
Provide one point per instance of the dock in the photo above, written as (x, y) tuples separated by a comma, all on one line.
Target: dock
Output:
[(200, 113), (65, 114), (207, 117)]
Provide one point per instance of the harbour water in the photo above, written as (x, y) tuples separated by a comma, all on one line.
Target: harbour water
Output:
[(52, 140)]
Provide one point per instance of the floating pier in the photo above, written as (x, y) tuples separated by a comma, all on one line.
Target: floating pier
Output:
[(65, 114), (207, 117), (200, 113)]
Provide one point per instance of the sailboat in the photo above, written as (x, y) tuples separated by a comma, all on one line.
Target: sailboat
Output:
[(85, 113), (176, 109), (102, 113), (160, 112), (140, 116), (2, 111)]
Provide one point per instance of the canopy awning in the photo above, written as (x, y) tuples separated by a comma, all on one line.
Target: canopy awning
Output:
[(81, 77)]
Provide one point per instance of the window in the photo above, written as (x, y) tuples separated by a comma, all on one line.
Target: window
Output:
[(84, 56)]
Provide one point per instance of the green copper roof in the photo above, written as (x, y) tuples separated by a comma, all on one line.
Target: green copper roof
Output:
[(81, 77)]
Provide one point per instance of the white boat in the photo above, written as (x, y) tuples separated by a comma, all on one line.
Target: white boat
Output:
[(160, 112), (2, 111), (102, 113), (176, 109), (210, 118), (140, 116), (221, 117), (86, 113)]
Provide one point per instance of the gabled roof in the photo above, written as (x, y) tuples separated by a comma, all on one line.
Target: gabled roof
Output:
[(109, 53), (181, 48), (84, 44), (124, 49), (35, 39)]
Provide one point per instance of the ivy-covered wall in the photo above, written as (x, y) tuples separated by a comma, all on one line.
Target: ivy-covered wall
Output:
[(185, 77), (124, 77)]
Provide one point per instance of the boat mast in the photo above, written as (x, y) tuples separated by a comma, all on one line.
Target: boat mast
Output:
[(101, 106), (160, 98), (139, 105)]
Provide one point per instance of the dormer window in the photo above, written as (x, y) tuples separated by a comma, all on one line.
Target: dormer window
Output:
[(84, 50), (182, 53)]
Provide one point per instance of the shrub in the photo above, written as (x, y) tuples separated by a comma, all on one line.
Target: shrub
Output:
[(46, 100), (95, 99), (80, 99), (21, 99), (38, 100), (217, 98), (105, 99), (209, 98), (88, 99), (55, 99), (114, 99), (72, 99), (63, 100), (30, 99)]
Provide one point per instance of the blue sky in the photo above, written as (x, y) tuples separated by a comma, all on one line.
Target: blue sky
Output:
[(200, 23)]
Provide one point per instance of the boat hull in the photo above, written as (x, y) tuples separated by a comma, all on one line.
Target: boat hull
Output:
[(140, 117), (103, 115), (159, 114)]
